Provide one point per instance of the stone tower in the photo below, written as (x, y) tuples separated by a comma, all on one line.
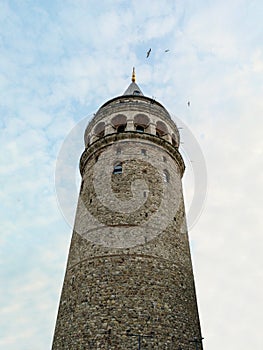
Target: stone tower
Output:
[(129, 281)]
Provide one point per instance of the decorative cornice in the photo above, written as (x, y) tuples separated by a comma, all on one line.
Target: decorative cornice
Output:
[(110, 139)]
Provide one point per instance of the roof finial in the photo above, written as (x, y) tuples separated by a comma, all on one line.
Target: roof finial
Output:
[(133, 75)]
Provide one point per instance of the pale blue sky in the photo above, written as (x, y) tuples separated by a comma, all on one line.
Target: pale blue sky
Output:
[(61, 60)]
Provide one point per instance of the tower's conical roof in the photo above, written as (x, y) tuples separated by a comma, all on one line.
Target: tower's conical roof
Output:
[(133, 88)]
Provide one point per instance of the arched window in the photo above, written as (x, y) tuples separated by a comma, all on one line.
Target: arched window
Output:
[(161, 129), (119, 122), (166, 176), (100, 129), (121, 128), (174, 143), (88, 140), (117, 169), (141, 122), (139, 128)]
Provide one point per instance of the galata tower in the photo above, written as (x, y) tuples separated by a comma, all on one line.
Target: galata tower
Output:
[(129, 282)]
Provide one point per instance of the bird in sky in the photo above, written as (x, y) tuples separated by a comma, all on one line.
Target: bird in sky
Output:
[(148, 52), (167, 50), (188, 103)]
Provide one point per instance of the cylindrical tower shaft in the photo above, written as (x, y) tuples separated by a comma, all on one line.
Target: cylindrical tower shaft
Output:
[(129, 268)]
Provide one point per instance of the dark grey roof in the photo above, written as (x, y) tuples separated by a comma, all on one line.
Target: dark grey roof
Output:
[(133, 89)]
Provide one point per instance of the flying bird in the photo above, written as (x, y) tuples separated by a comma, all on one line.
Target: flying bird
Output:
[(148, 52), (167, 50), (188, 103)]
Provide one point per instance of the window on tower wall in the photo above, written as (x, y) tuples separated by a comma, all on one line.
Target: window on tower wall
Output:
[(119, 122), (161, 129), (141, 122), (88, 140), (174, 143), (166, 176), (117, 169), (100, 129), (121, 128), (139, 128)]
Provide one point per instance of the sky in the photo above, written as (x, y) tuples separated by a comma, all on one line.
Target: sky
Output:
[(60, 61)]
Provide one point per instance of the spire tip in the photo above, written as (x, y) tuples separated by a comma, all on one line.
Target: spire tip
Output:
[(133, 75)]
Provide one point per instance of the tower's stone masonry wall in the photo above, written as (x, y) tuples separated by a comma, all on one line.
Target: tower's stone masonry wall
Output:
[(157, 200), (106, 296), (146, 285)]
